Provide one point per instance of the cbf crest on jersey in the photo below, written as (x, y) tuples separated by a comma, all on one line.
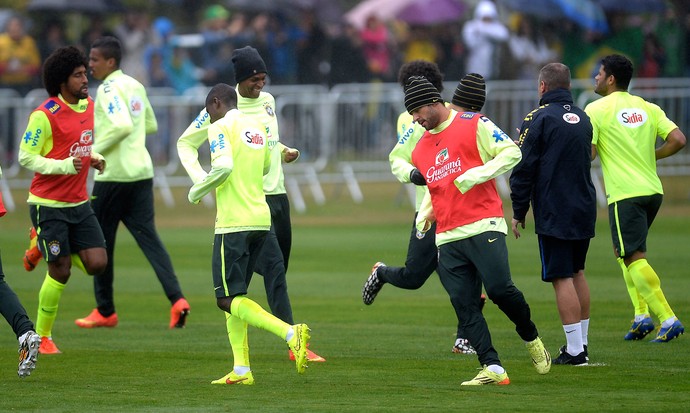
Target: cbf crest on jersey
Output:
[(253, 138), (54, 248), (631, 117), (269, 109)]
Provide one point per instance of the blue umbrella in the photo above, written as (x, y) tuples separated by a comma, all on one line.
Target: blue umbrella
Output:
[(585, 13), (633, 6), (82, 6)]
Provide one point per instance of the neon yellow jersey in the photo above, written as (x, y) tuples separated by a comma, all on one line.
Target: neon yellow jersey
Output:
[(625, 129), (239, 160), (400, 157), (263, 109), (123, 118)]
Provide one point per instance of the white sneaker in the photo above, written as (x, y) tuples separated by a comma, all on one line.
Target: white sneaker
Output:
[(462, 346), (28, 352)]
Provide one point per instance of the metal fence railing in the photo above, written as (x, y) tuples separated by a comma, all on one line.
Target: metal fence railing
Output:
[(344, 133)]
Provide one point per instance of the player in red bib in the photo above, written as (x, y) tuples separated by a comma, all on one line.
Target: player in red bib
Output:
[(57, 147), (459, 156)]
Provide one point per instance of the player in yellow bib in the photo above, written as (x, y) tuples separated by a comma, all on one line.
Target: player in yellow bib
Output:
[(625, 130)]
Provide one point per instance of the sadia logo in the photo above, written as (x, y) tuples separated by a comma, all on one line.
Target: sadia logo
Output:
[(571, 118), (254, 138), (136, 105), (442, 156), (632, 118)]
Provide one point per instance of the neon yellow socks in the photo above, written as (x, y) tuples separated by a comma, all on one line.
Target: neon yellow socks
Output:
[(254, 315), (237, 334), (48, 300), (649, 286), (638, 301)]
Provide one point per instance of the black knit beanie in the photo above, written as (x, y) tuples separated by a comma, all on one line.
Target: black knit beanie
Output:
[(470, 93), (420, 92), (247, 62)]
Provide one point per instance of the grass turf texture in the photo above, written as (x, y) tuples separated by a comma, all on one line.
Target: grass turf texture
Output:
[(391, 356)]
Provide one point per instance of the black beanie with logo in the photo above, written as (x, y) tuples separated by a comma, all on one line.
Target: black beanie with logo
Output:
[(247, 63)]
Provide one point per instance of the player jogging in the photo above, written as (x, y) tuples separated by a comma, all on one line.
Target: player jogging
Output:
[(625, 130)]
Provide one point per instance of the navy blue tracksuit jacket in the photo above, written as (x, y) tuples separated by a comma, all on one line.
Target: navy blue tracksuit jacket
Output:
[(554, 174)]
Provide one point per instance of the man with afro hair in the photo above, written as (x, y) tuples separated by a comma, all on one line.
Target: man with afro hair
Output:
[(57, 146)]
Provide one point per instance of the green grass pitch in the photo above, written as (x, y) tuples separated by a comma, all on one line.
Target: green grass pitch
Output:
[(392, 356)]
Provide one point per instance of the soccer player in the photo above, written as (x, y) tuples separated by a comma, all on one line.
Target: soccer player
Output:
[(15, 314), (421, 258), (240, 157), (124, 193), (626, 128), (554, 174), (272, 263), (459, 156), (57, 146)]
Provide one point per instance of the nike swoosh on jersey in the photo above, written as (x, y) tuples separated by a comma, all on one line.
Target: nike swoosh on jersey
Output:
[(492, 240)]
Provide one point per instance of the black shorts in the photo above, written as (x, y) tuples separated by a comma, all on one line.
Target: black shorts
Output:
[(234, 256), (561, 258), (65, 231), (630, 220)]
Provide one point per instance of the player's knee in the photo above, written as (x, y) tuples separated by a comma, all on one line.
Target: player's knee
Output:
[(224, 303), (95, 269), (96, 265)]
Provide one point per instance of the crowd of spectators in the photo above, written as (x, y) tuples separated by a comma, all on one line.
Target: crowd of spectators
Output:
[(299, 48)]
